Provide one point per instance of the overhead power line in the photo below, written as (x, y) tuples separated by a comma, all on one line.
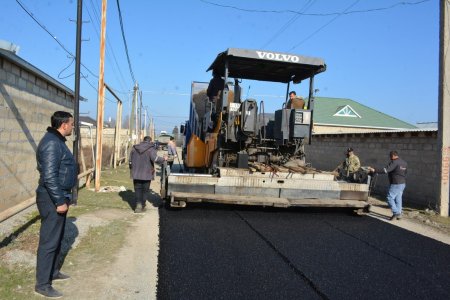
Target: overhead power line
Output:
[(96, 21), (326, 24), (315, 14), (63, 47), (125, 41), (289, 22), (54, 37)]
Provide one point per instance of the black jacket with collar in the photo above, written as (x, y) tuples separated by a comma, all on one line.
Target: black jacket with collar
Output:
[(396, 170), (56, 166)]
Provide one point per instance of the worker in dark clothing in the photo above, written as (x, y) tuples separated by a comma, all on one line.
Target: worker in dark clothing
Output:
[(214, 91), (215, 87), (58, 175), (396, 170), (142, 159)]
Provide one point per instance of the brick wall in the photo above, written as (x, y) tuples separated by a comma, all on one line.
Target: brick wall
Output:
[(418, 148), (27, 102)]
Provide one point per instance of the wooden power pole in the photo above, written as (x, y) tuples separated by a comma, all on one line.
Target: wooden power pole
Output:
[(133, 115), (100, 100), (76, 104), (444, 107)]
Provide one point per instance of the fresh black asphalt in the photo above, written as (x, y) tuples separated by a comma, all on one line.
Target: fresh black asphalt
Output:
[(235, 252)]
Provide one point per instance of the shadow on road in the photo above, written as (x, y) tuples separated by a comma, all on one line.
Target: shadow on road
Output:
[(128, 196), (152, 197)]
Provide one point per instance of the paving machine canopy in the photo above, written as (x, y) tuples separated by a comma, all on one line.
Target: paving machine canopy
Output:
[(267, 65)]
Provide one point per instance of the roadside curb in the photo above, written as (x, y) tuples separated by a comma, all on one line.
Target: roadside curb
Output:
[(379, 211)]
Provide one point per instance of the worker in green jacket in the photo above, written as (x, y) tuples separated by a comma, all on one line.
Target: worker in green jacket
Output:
[(349, 166)]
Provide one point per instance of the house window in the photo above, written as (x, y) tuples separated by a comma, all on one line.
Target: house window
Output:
[(346, 111)]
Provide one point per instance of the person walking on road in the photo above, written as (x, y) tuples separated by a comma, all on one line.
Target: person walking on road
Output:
[(171, 151), (396, 170), (142, 161), (58, 174)]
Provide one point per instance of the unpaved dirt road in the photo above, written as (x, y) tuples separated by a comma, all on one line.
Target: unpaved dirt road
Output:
[(133, 272)]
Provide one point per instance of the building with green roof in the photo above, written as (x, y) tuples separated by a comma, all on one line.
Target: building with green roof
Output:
[(334, 115)]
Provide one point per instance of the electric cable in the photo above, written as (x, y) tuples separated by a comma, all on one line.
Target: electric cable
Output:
[(290, 22), (59, 74), (109, 47), (315, 14), (326, 24), (54, 37), (125, 41)]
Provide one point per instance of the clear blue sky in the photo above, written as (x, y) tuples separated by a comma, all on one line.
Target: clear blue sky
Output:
[(386, 59)]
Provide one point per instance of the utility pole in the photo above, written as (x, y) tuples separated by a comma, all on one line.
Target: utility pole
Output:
[(136, 115), (444, 108), (141, 137), (76, 104), (145, 123), (133, 115), (100, 100)]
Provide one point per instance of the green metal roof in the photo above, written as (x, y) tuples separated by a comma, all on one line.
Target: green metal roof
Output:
[(346, 112)]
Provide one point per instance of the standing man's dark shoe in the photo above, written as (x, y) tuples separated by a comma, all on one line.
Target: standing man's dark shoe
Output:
[(48, 292), (60, 277), (138, 209)]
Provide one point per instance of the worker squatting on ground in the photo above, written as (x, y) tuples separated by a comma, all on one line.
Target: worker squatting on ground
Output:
[(142, 168), (57, 177), (348, 168), (396, 169)]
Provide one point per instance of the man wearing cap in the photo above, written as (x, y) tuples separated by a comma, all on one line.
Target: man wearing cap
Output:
[(349, 166), (396, 170)]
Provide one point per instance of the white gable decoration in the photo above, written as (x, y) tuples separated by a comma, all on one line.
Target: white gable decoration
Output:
[(346, 111)]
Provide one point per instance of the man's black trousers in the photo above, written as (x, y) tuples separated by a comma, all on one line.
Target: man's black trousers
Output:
[(141, 189), (50, 237)]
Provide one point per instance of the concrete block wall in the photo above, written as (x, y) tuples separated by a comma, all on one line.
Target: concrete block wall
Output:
[(88, 136), (418, 148), (27, 102), (89, 139)]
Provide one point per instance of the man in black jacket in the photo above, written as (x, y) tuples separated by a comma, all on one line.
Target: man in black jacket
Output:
[(396, 170), (214, 91), (142, 159), (56, 166)]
